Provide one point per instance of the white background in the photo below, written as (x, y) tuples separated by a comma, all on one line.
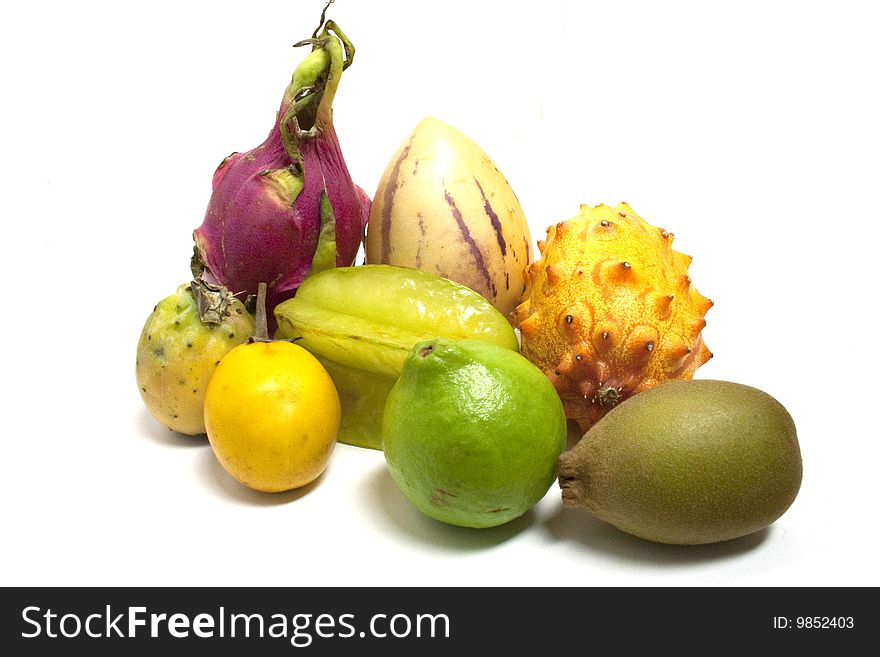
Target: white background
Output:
[(748, 129)]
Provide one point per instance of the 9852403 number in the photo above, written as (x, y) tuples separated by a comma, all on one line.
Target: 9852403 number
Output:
[(824, 622)]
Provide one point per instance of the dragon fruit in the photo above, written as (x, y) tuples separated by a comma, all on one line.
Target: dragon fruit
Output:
[(288, 207)]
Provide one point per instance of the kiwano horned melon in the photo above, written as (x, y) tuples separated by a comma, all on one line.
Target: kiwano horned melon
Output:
[(609, 311)]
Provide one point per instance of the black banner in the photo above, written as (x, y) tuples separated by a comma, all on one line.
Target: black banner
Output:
[(428, 621)]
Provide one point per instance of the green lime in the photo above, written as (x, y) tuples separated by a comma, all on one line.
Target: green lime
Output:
[(472, 432)]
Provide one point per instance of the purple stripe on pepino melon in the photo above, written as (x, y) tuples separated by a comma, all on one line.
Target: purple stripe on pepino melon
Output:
[(263, 222)]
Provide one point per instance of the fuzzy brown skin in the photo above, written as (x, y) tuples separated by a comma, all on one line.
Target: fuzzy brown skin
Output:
[(610, 311), (687, 462)]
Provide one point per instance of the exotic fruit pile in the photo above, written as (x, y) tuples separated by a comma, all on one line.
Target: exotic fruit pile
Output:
[(415, 352), (609, 311)]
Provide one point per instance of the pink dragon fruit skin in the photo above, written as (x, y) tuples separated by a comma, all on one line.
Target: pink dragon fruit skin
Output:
[(265, 216)]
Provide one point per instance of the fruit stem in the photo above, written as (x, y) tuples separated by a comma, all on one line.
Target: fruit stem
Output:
[(608, 395), (307, 106), (323, 18), (261, 334), (571, 480), (212, 301)]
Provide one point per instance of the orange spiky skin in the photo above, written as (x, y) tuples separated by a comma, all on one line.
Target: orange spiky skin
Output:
[(609, 311)]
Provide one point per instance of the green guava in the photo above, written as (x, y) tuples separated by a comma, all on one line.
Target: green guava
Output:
[(472, 432)]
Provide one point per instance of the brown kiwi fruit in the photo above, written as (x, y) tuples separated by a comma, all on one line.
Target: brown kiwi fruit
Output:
[(687, 462)]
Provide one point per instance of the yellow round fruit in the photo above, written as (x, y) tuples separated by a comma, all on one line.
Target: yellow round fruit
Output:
[(272, 414)]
